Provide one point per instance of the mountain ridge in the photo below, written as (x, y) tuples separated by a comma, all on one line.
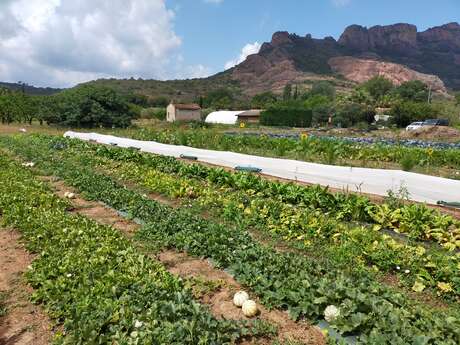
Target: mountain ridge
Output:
[(432, 56), (435, 51)]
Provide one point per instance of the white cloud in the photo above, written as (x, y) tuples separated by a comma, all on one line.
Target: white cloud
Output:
[(60, 42), (248, 49), (341, 3)]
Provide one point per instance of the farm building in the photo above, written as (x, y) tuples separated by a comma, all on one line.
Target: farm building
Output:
[(226, 117), (183, 112), (249, 116)]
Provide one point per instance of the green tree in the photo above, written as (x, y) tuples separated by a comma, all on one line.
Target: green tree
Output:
[(90, 106), (413, 90), (296, 93), (457, 98), (323, 88), (12, 106), (291, 114), (351, 113), (219, 99), (263, 100), (403, 113), (378, 87), (287, 92)]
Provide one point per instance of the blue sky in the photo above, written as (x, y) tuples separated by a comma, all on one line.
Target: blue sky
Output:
[(215, 31), (61, 43)]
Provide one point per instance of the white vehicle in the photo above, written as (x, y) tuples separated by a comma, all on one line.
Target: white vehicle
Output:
[(414, 126)]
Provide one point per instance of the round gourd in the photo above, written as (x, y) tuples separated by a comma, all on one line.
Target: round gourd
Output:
[(331, 313), (69, 195), (239, 298), (249, 308)]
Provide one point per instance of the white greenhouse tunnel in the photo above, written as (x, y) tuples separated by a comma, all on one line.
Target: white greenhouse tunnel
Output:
[(421, 188), (223, 117)]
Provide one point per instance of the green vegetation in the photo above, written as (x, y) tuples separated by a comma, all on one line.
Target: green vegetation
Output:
[(91, 278), (3, 310), (312, 149), (89, 106), (406, 112), (302, 284), (84, 106), (286, 114), (112, 103), (378, 87), (263, 100)]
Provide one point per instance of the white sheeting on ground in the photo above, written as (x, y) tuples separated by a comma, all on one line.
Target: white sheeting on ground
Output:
[(422, 188)]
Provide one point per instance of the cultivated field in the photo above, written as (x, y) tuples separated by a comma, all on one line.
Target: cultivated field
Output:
[(150, 249)]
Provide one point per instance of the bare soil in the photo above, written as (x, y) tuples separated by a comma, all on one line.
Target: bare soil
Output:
[(433, 133), (220, 301), (24, 322), (92, 209)]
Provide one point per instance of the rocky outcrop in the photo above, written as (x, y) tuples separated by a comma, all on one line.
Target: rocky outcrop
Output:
[(435, 51), (361, 70), (445, 38), (396, 38)]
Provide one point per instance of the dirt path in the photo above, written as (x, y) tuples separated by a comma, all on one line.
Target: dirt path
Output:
[(220, 298), (24, 322)]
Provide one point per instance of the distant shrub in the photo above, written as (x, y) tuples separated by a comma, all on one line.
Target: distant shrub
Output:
[(404, 113), (378, 87), (290, 115), (408, 162), (154, 113), (413, 90)]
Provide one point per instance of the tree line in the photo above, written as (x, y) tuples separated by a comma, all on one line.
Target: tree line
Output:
[(83, 106), (411, 101)]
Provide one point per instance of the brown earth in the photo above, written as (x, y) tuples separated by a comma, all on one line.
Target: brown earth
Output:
[(24, 322), (361, 70), (219, 302), (92, 209), (433, 133)]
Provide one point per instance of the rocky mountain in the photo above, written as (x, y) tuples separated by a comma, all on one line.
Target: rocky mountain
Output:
[(420, 55), (399, 52)]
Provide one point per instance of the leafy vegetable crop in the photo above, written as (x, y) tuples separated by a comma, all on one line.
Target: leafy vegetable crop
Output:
[(377, 314), (92, 279)]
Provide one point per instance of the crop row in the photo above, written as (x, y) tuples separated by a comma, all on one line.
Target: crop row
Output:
[(315, 149), (287, 280), (359, 140), (92, 279), (348, 245), (417, 221)]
